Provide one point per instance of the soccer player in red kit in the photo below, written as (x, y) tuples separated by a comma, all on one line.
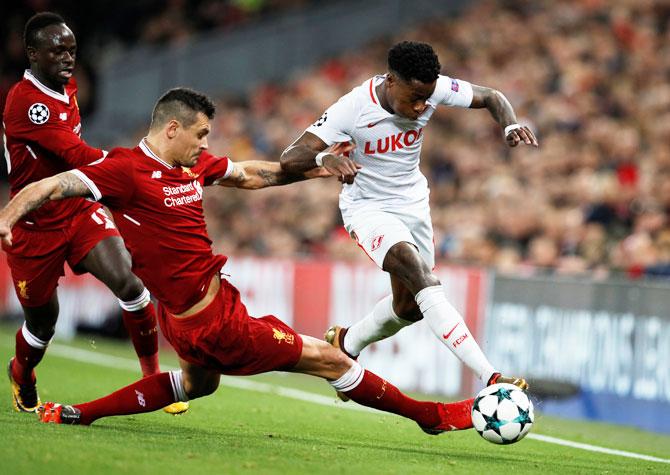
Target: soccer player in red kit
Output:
[(155, 194), (42, 138)]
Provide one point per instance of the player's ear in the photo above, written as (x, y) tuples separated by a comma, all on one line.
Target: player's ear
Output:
[(171, 128), (31, 51)]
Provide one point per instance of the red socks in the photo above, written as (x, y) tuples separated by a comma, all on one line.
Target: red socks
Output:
[(373, 391), (146, 395), (141, 326), (29, 352)]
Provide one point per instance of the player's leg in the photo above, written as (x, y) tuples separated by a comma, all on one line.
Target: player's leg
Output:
[(110, 262), (32, 340), (146, 395), (390, 315), (375, 232), (36, 262), (318, 358), (404, 262)]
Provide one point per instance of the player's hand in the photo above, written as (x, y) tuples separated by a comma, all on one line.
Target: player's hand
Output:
[(338, 163), (318, 172), (522, 134), (5, 233)]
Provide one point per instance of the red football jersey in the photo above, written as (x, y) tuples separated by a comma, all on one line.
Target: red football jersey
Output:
[(42, 139), (158, 211)]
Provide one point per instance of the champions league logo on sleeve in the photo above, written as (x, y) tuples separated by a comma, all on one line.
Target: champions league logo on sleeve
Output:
[(38, 113), (454, 85), (322, 120)]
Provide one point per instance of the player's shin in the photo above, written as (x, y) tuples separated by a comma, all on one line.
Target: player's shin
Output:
[(146, 395), (139, 318), (449, 327), (368, 389), (381, 323)]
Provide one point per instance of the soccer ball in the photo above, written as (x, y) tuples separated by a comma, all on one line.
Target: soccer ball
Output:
[(502, 413)]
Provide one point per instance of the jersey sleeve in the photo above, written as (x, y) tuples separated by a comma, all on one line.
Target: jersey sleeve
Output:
[(36, 123), (335, 124), (214, 168), (453, 92), (110, 179)]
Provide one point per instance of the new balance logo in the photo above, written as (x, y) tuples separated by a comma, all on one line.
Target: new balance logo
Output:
[(140, 399), (156, 174)]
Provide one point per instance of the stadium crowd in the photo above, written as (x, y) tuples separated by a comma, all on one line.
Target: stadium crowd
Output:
[(591, 80), (589, 76)]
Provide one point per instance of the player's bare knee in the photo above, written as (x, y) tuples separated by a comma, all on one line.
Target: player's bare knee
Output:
[(126, 286), (41, 322), (405, 263), (200, 387), (407, 309)]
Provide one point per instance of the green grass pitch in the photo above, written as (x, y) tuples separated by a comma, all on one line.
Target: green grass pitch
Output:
[(247, 431)]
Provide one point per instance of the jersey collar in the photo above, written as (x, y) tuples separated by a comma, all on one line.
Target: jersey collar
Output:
[(374, 82), (147, 151), (46, 90)]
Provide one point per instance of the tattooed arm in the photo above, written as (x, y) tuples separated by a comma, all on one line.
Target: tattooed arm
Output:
[(57, 187), (503, 113), (255, 174)]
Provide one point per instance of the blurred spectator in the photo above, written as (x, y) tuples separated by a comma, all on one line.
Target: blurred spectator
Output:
[(590, 77)]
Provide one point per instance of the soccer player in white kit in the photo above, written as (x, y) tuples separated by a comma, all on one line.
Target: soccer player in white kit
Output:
[(384, 199)]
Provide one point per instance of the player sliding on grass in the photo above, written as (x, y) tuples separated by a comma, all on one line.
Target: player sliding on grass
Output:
[(43, 128), (155, 194), (385, 208)]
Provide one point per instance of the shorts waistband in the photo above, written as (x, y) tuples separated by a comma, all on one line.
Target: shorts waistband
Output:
[(197, 319)]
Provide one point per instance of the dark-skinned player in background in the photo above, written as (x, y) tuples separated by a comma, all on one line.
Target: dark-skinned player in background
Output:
[(43, 138)]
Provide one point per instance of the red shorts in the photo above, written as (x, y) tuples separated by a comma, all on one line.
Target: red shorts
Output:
[(37, 257), (224, 338)]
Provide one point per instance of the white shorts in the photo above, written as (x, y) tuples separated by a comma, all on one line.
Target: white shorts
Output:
[(376, 230)]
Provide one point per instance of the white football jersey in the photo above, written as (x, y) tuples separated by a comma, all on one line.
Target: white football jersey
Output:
[(387, 146)]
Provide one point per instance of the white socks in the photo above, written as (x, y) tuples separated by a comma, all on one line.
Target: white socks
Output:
[(442, 318), (178, 391), (449, 327), (381, 323), (350, 379)]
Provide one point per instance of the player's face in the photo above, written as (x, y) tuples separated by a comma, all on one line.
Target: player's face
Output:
[(408, 98), (190, 142), (53, 58)]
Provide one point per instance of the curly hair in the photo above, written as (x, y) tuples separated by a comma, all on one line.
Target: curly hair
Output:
[(36, 23), (414, 60), (183, 104)]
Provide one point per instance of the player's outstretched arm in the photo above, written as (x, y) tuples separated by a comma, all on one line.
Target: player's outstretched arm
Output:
[(309, 152), (57, 187), (255, 174), (503, 113)]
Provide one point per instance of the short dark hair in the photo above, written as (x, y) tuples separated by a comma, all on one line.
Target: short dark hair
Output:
[(36, 23), (414, 60), (183, 104)]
